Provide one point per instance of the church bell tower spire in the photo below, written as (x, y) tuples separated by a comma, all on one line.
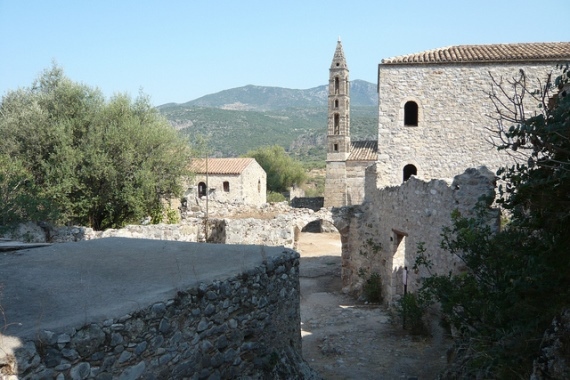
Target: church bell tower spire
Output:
[(338, 125), (338, 131)]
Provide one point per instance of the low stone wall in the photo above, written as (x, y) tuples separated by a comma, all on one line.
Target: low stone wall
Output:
[(245, 326), (272, 225)]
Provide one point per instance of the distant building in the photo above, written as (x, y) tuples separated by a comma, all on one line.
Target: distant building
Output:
[(346, 160), (233, 180), (434, 114)]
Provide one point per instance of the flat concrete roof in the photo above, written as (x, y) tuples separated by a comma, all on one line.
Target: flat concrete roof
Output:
[(71, 284)]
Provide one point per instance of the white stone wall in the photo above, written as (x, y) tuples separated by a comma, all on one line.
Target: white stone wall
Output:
[(453, 117), (249, 187), (386, 229), (335, 184), (254, 185), (355, 172)]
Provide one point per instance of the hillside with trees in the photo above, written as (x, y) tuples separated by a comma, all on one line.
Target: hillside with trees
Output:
[(238, 120)]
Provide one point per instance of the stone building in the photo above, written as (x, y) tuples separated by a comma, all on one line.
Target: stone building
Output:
[(435, 114), (347, 160), (229, 180)]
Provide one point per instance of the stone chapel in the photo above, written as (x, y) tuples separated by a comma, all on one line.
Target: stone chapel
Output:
[(435, 114)]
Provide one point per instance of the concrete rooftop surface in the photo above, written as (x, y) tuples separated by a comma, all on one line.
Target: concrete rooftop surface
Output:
[(71, 284)]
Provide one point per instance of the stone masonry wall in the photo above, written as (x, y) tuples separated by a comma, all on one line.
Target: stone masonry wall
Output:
[(454, 108), (387, 228), (247, 326)]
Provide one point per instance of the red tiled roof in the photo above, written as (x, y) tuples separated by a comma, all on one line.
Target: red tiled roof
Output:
[(541, 51), (363, 151), (220, 165)]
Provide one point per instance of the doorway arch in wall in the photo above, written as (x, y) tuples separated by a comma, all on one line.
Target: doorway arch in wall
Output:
[(202, 189), (409, 170)]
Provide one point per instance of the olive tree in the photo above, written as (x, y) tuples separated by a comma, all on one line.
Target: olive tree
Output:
[(84, 159)]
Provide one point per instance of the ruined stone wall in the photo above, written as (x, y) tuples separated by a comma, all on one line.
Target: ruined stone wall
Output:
[(246, 326), (314, 203), (386, 229), (454, 109), (273, 225)]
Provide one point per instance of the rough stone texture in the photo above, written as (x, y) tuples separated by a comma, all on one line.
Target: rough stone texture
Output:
[(314, 203), (384, 232), (248, 187), (453, 117), (554, 359), (245, 326)]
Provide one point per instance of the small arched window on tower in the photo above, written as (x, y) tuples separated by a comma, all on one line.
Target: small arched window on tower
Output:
[(336, 85), (202, 189), (336, 103), (409, 170), (226, 186), (411, 114), (336, 123)]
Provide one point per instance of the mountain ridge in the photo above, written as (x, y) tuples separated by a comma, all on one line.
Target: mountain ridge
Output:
[(241, 119), (268, 98)]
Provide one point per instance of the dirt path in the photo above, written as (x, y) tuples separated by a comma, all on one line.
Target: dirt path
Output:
[(345, 339)]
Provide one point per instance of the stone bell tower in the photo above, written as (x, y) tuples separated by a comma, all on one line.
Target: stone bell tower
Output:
[(338, 130)]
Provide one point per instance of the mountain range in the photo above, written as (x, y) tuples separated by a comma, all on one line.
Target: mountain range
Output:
[(237, 120)]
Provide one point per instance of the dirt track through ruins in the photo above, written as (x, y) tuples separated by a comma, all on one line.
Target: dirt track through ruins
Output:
[(347, 339)]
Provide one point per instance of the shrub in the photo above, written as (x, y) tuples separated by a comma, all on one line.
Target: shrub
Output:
[(372, 289)]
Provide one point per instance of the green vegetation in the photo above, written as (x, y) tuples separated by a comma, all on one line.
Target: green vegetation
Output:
[(516, 279), (282, 171), (411, 310), (372, 288), (239, 120), (69, 156)]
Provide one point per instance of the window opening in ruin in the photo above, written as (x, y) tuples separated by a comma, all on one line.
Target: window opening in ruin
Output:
[(336, 103), (336, 85), (259, 186), (202, 189), (335, 147), (336, 123), (226, 186), (411, 114), (409, 170)]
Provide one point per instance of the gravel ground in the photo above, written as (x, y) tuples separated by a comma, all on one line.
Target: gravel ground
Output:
[(346, 339)]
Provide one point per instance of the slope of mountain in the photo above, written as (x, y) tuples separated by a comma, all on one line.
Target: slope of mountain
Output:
[(241, 119)]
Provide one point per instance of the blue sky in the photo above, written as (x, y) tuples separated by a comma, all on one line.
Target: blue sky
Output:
[(176, 51)]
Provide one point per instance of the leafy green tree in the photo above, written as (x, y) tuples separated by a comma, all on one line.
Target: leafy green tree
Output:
[(86, 160), (517, 279), (282, 171)]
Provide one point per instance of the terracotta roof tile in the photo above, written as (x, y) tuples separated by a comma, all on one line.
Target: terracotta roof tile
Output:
[(540, 51), (363, 151), (220, 165)]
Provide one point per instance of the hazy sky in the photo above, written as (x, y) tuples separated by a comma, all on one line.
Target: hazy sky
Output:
[(176, 51)]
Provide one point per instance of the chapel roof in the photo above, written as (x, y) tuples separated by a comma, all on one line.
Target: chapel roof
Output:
[(220, 165), (533, 51), (363, 150)]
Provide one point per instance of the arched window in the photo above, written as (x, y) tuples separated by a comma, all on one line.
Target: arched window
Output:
[(409, 170), (336, 103), (259, 186), (411, 114), (202, 189), (336, 123), (336, 85), (226, 186)]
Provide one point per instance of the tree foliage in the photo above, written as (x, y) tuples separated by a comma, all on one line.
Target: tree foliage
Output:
[(82, 159), (518, 278), (282, 171)]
